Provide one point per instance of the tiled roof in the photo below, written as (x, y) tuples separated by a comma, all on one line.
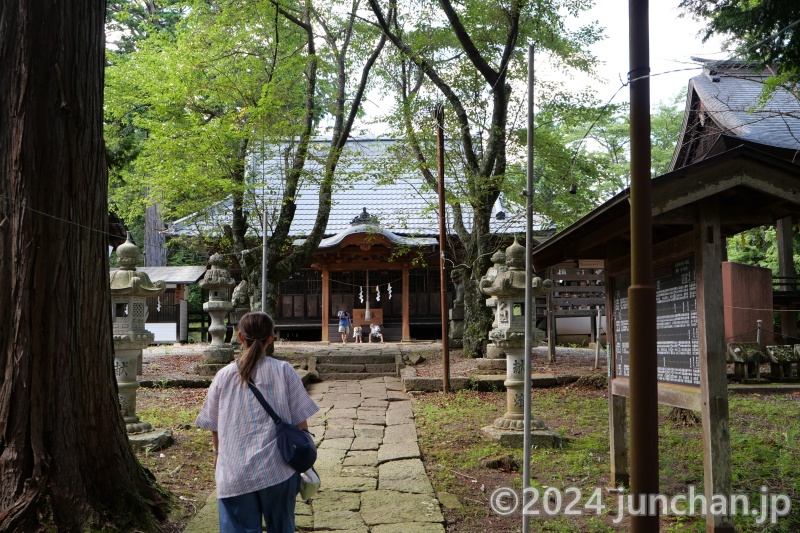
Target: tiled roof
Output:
[(730, 91), (173, 274), (366, 177)]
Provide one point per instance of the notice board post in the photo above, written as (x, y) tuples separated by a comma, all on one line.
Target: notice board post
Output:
[(713, 370), (690, 348)]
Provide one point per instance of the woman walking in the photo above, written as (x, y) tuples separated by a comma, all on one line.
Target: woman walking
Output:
[(253, 480)]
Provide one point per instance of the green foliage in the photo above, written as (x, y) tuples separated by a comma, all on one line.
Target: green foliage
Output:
[(765, 450), (759, 247), (765, 30), (183, 107), (587, 145)]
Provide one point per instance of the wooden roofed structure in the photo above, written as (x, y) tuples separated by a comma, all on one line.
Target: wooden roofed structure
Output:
[(400, 247)]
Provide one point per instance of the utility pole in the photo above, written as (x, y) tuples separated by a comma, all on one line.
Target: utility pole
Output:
[(642, 293)]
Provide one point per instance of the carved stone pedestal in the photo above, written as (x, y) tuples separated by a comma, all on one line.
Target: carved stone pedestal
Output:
[(456, 326)]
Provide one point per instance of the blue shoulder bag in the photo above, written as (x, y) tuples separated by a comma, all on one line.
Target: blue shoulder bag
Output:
[(296, 445)]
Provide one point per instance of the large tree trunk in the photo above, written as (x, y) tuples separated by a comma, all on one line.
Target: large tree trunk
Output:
[(65, 462), (155, 251)]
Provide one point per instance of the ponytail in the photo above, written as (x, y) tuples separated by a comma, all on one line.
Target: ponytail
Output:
[(256, 327)]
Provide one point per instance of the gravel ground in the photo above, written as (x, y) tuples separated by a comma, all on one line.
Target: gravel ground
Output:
[(177, 361)]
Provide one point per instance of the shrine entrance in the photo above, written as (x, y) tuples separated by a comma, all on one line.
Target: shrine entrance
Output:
[(378, 277)]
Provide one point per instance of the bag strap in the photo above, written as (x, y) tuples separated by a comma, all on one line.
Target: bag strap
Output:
[(263, 402)]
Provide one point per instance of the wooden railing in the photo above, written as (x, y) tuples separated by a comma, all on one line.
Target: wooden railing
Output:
[(786, 283)]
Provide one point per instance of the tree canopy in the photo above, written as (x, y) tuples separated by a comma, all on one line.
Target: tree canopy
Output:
[(767, 31)]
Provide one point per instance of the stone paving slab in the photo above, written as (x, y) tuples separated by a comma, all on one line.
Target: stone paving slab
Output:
[(396, 452), (376, 401), (400, 433), (338, 520), (360, 471), (339, 433), (347, 484), (369, 431), (365, 443), (329, 501), (361, 458), (409, 527), (339, 444), (341, 422), (393, 507), (406, 475)]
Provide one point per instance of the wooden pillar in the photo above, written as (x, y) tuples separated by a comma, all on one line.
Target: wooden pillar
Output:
[(326, 301), (786, 270), (551, 330), (406, 333), (711, 345), (617, 405)]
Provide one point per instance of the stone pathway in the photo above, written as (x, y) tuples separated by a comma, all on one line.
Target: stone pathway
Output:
[(373, 479)]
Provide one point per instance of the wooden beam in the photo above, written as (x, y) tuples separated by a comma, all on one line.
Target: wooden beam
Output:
[(786, 269), (671, 394), (713, 368), (680, 192), (406, 332), (663, 252), (617, 405), (326, 301)]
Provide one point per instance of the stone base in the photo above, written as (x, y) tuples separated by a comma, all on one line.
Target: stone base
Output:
[(137, 426), (542, 438), (455, 343), (457, 313), (495, 352), (491, 364), (152, 440), (209, 369), (219, 353)]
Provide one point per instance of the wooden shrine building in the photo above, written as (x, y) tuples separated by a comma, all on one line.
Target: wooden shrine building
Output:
[(734, 169), (380, 250)]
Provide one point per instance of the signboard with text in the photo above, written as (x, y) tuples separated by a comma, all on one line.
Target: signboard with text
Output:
[(676, 310)]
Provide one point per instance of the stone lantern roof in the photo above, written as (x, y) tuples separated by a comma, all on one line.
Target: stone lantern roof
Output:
[(217, 277), (509, 280), (127, 281)]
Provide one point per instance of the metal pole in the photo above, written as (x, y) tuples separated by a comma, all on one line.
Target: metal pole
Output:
[(264, 258), (442, 273), (530, 310), (641, 293)]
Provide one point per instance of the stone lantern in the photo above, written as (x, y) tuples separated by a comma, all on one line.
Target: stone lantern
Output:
[(217, 281), (129, 292), (505, 285)]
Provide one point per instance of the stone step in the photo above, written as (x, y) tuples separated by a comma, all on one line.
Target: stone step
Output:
[(324, 368), (355, 359), (355, 375)]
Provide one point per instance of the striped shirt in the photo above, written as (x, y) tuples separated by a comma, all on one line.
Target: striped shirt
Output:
[(249, 459)]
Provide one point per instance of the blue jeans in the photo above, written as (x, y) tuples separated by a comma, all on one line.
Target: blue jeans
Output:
[(242, 514)]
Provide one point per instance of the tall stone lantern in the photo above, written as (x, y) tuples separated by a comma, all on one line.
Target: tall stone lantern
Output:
[(506, 289), (218, 282), (129, 292)]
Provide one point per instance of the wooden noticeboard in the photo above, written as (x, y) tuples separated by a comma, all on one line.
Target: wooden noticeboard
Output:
[(690, 348), (676, 310)]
